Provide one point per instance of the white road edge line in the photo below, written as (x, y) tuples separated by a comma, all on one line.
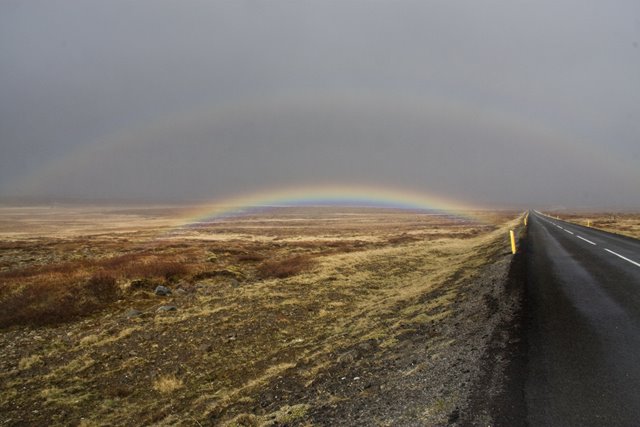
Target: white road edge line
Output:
[(570, 232), (588, 241), (623, 257)]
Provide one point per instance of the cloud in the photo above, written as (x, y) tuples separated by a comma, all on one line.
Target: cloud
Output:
[(437, 145), (480, 100)]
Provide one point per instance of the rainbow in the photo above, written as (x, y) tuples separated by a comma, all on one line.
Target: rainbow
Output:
[(329, 195)]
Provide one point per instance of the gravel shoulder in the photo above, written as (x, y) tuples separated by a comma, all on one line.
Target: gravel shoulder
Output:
[(462, 370)]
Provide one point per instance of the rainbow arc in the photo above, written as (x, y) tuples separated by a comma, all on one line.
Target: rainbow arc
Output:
[(329, 195)]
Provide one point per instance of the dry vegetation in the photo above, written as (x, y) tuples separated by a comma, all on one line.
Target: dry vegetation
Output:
[(167, 384), (627, 224), (266, 307)]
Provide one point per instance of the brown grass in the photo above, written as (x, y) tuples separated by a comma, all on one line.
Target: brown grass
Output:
[(42, 284), (280, 269), (144, 266), (60, 292), (250, 258), (49, 303), (29, 362), (353, 280), (42, 270), (103, 287), (166, 384), (627, 224)]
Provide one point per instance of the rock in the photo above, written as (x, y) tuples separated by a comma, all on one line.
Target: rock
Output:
[(180, 292), (167, 308), (234, 283), (133, 313), (162, 291)]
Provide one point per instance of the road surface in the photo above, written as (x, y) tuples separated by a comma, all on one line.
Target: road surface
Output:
[(583, 333)]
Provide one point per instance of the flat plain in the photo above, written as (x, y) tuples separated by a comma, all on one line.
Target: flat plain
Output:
[(625, 223), (296, 316)]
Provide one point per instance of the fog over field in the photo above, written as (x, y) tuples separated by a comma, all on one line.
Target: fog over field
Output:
[(492, 103)]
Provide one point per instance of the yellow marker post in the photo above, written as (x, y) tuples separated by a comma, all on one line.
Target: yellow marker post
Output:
[(525, 220), (588, 223), (513, 241)]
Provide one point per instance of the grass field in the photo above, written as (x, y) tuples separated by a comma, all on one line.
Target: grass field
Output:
[(627, 224), (266, 306)]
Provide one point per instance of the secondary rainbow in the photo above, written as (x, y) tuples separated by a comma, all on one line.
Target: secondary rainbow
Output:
[(142, 136), (367, 196)]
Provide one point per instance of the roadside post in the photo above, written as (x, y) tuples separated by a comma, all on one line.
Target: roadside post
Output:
[(513, 241)]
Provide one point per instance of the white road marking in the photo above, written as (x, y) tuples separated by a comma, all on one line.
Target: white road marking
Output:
[(623, 257), (570, 232), (588, 241)]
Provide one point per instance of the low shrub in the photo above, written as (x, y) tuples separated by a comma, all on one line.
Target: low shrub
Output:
[(171, 271), (250, 258), (55, 298), (280, 269), (143, 284), (212, 274), (41, 304), (103, 287)]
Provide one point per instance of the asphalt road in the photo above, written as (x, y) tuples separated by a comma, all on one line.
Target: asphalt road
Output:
[(583, 333)]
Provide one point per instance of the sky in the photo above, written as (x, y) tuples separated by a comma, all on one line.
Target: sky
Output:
[(494, 103)]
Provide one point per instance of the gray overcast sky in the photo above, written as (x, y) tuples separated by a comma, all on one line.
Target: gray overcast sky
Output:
[(505, 102)]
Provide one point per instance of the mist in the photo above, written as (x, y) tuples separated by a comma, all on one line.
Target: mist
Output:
[(494, 103)]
